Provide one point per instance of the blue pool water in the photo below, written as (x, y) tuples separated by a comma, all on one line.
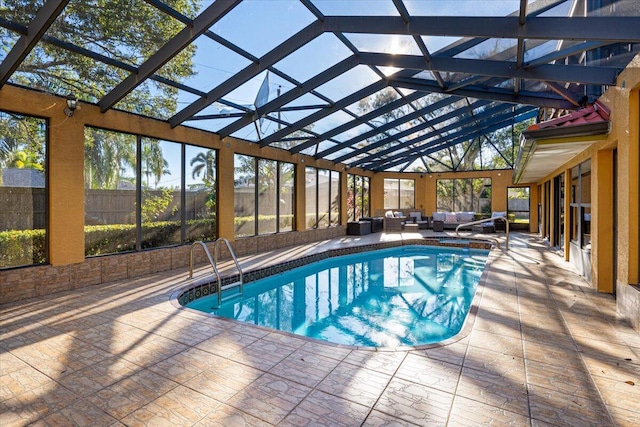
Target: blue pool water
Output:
[(409, 295)]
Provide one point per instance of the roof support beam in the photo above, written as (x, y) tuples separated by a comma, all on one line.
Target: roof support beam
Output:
[(466, 82), (353, 123), (560, 90), (163, 55), (295, 42), (497, 151), (470, 126), (459, 124), (503, 69), (563, 53), (509, 119), (46, 15), (613, 29), (320, 79), (460, 46), (446, 142), (343, 103), (492, 93), (383, 128)]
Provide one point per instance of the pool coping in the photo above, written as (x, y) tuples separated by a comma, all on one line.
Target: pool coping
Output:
[(193, 290)]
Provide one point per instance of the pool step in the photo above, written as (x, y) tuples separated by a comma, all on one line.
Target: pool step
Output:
[(230, 285), (231, 292)]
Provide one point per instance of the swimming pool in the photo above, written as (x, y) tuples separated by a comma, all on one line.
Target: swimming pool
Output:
[(403, 296)]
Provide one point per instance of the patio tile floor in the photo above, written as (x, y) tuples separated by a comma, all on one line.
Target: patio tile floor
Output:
[(543, 349)]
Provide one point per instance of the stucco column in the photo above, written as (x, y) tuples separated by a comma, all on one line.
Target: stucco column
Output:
[(376, 193), (226, 198), (66, 189), (602, 221), (430, 205), (343, 199), (301, 197), (633, 158)]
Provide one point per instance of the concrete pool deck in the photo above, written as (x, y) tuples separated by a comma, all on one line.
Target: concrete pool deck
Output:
[(543, 350)]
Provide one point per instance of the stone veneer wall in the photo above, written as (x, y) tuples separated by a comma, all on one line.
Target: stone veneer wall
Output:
[(28, 282)]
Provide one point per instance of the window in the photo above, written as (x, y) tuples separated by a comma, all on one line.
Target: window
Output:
[(267, 196), (559, 216), (244, 195), (110, 165), (286, 199), (311, 193), (464, 195), (334, 195), (399, 194), (518, 205), (23, 190), (322, 197), (580, 205), (357, 197), (267, 207), (173, 184), (161, 212), (201, 174)]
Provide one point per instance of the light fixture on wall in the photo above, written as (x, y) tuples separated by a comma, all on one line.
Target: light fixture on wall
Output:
[(72, 104)]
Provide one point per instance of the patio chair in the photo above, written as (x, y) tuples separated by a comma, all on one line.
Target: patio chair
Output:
[(417, 219), (393, 222)]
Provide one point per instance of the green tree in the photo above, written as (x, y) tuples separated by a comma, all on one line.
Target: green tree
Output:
[(372, 103), (153, 162), (108, 156), (110, 28), (22, 142), (154, 204), (204, 163)]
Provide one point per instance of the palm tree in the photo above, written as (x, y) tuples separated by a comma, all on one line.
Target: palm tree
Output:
[(107, 155), (205, 164), (154, 162)]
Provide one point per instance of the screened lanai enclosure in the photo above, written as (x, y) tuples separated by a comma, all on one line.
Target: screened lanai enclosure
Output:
[(381, 84), (376, 86)]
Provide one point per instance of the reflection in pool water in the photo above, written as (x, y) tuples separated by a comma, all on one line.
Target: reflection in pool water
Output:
[(409, 295)]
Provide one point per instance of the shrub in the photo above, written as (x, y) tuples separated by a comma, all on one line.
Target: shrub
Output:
[(22, 247)]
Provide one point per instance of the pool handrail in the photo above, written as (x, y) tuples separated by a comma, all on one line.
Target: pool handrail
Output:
[(206, 251), (483, 221), (216, 246), (213, 261)]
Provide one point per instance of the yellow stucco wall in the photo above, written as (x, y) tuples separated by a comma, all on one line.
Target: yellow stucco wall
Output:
[(623, 100), (66, 163), (425, 190), (624, 136), (602, 224)]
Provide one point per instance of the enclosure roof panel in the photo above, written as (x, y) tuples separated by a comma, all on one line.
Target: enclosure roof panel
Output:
[(378, 84)]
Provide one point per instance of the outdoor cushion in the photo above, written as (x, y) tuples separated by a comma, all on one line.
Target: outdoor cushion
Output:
[(439, 216), (416, 215), (388, 214), (464, 216), (450, 217)]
